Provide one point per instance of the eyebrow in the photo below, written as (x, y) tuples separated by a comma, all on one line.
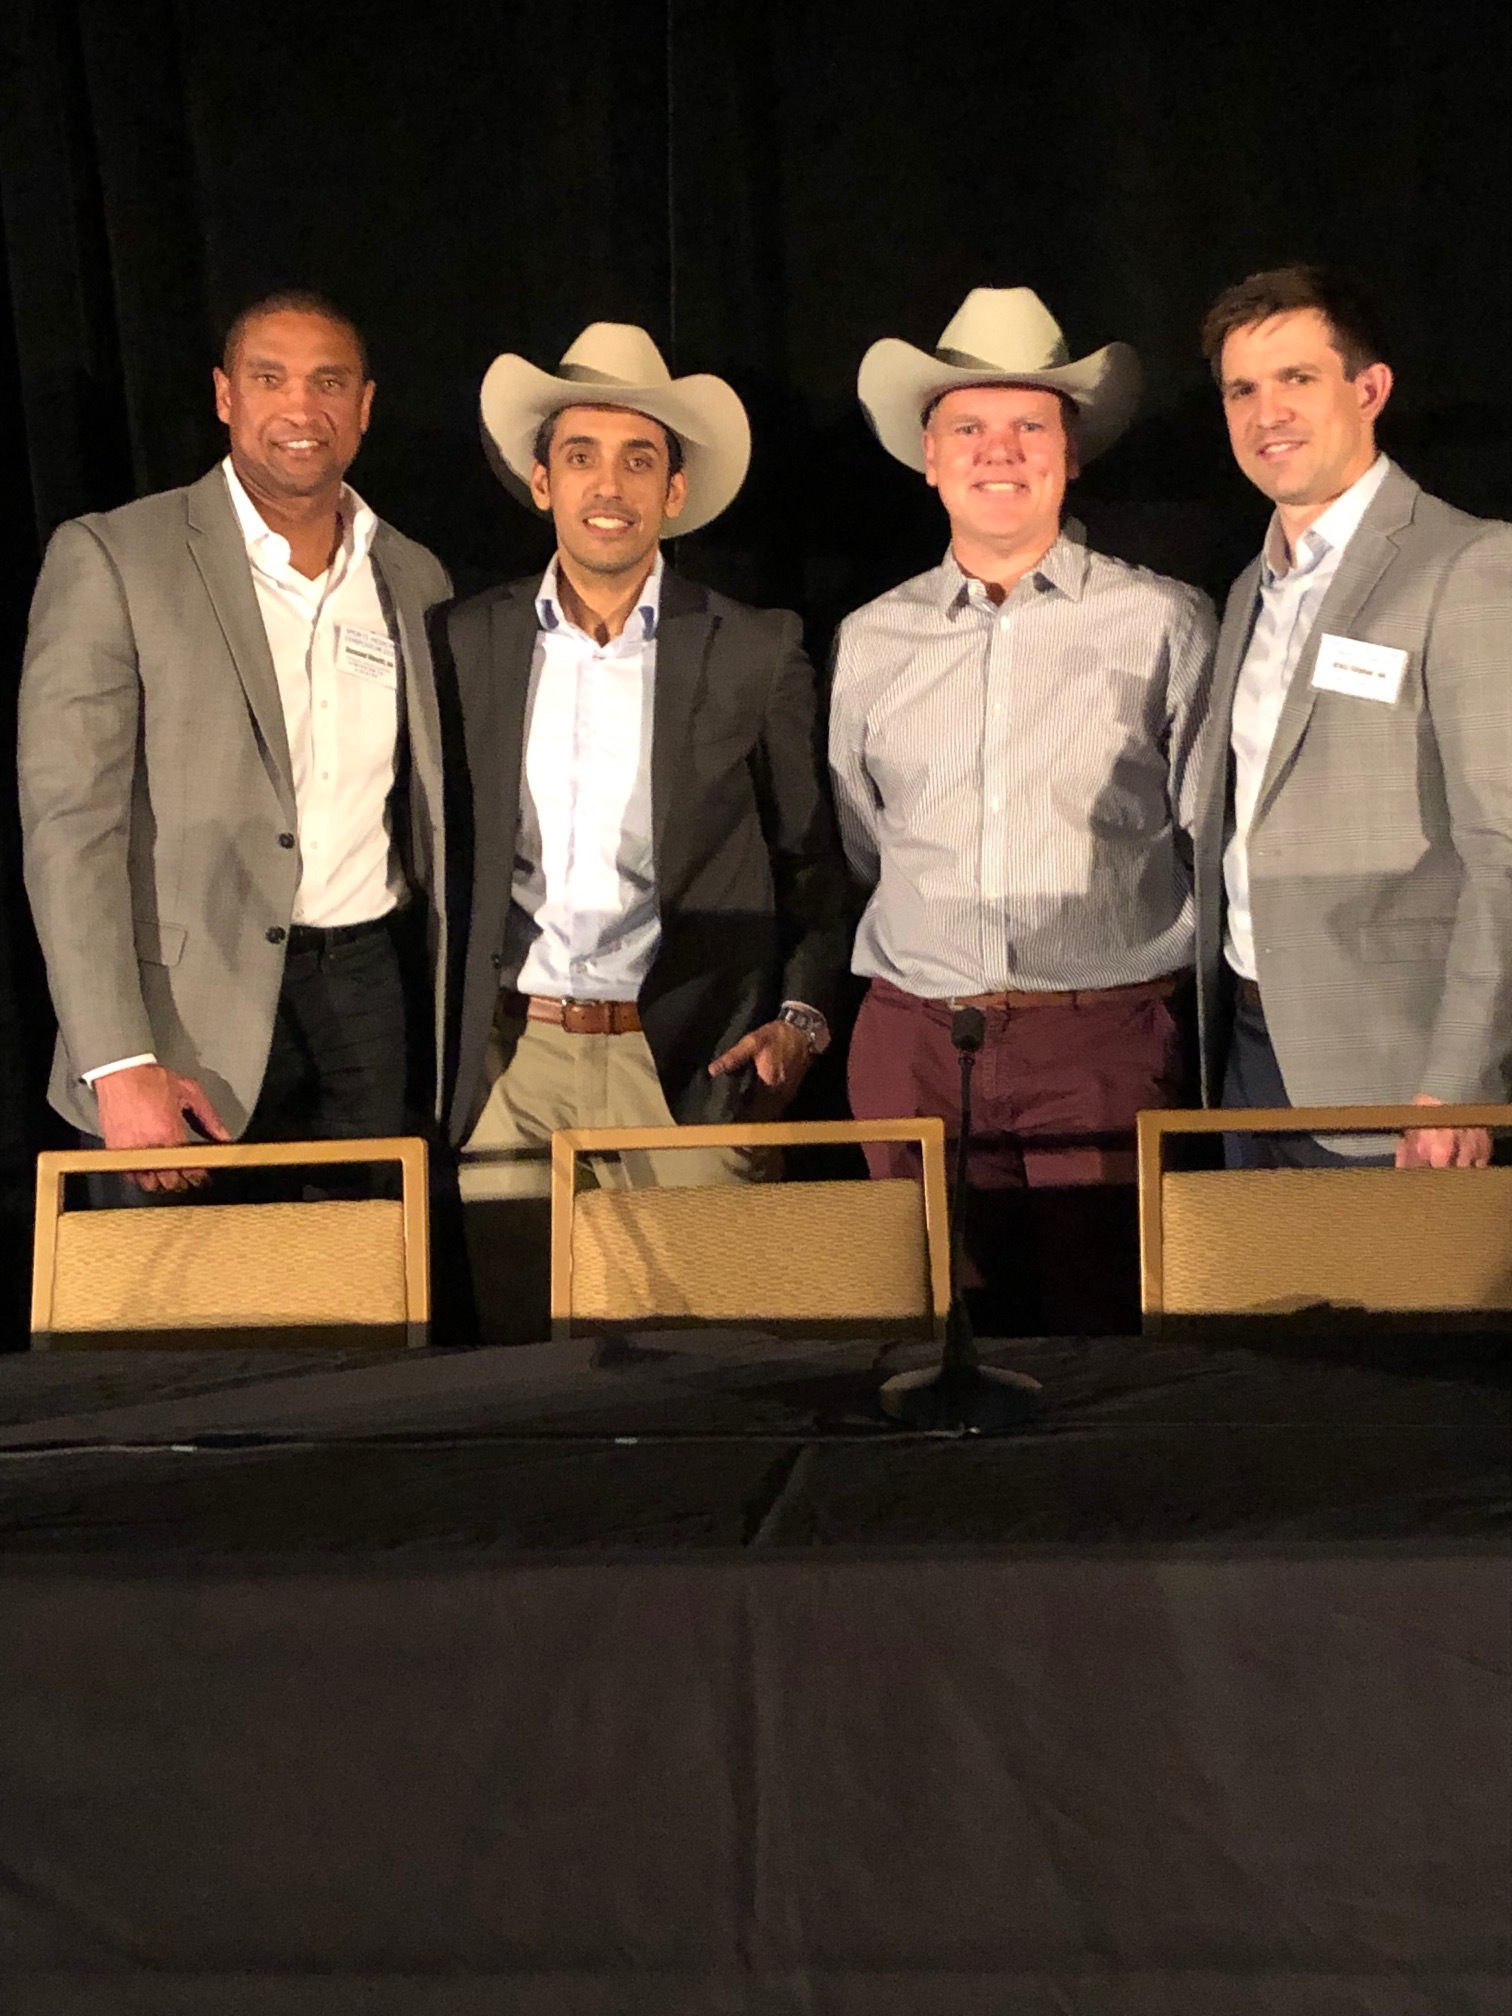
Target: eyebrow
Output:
[(256, 363), (597, 441)]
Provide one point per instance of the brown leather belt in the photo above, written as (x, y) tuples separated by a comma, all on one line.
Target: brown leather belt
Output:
[(1248, 991), (1160, 989), (578, 1018)]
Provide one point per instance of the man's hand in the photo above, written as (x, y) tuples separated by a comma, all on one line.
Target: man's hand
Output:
[(781, 1055), (1443, 1147), (144, 1107)]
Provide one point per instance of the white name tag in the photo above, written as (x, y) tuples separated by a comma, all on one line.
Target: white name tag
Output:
[(367, 654), (1364, 671)]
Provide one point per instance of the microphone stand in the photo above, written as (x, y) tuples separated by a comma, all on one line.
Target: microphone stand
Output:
[(962, 1396)]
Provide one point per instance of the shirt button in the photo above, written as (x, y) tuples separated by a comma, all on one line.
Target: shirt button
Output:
[(286, 839), (276, 934)]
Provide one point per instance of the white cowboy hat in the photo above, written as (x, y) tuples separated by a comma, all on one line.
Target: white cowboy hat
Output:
[(998, 336), (617, 364)]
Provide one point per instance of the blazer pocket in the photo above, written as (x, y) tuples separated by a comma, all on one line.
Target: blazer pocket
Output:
[(160, 944), (1410, 940)]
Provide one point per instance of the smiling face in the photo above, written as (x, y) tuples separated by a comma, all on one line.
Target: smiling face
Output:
[(297, 402), (1302, 430), (608, 488), (1000, 457)]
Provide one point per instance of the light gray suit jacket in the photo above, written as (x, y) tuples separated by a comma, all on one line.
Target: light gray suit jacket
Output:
[(1380, 852), (157, 798)]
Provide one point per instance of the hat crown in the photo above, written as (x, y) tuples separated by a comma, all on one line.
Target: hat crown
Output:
[(614, 353), (1003, 329)]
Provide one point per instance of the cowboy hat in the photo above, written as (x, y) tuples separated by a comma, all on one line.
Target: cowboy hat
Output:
[(617, 364), (998, 336)]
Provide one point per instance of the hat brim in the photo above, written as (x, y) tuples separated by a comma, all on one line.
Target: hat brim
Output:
[(702, 411), (897, 381)]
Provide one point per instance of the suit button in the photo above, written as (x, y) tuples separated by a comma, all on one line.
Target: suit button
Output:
[(496, 960), (276, 934), (286, 839)]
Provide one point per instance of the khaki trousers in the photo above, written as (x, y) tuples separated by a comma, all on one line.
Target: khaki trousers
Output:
[(555, 1079)]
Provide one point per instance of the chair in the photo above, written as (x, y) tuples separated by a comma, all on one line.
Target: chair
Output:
[(832, 1257), (342, 1272), (1322, 1245)]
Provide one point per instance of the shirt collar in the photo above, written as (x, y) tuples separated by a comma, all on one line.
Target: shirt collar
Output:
[(1063, 567), (1330, 532), (550, 615), (271, 549)]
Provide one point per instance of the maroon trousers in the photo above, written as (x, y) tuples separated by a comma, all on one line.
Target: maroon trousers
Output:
[(1051, 1230)]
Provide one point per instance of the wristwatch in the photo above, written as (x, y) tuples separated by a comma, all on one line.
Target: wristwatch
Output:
[(810, 1022)]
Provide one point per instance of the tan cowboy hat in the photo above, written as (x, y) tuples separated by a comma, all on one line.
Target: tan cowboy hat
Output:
[(998, 336), (617, 364)]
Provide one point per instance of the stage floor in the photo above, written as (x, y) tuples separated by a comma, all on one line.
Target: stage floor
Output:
[(663, 1676)]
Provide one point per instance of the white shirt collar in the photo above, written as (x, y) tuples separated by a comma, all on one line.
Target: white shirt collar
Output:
[(271, 549), (1330, 532), (550, 615)]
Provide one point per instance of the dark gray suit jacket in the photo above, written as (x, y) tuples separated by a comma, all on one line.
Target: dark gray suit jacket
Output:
[(748, 874)]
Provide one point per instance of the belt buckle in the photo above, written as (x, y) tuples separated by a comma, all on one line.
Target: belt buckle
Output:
[(577, 1017)]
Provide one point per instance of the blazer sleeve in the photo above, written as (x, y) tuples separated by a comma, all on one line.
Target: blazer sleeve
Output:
[(77, 739), (800, 830), (1467, 676)]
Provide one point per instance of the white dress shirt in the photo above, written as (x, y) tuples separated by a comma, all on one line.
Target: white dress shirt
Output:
[(338, 679), (1013, 780), (1292, 589), (584, 923)]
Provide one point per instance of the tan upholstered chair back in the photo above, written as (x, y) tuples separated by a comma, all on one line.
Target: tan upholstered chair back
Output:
[(341, 1271), (820, 1255), (1278, 1242)]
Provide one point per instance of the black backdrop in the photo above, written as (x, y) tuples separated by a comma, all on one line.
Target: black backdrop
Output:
[(767, 188)]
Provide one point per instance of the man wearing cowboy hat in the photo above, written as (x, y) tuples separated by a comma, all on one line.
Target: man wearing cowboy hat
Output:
[(1011, 740), (656, 914), (1354, 835)]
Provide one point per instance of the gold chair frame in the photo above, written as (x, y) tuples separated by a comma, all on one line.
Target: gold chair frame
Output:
[(1157, 1126), (568, 1143), (55, 1165)]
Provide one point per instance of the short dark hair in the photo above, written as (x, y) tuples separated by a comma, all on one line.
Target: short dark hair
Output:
[(541, 446), (1345, 302), (292, 301)]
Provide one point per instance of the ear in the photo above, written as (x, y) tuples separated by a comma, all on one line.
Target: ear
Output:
[(1373, 388), (365, 411), (930, 476), (677, 495), (540, 485), (222, 396)]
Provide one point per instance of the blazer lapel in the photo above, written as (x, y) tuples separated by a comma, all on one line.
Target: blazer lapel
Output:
[(219, 552), (684, 631), (494, 706), (1369, 553)]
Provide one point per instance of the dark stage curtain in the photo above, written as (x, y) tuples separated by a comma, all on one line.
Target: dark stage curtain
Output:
[(768, 190)]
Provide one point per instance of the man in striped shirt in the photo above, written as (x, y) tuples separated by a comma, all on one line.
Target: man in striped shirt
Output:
[(1012, 737)]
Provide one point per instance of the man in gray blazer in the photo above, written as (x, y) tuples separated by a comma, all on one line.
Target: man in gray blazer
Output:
[(230, 774), (1354, 836)]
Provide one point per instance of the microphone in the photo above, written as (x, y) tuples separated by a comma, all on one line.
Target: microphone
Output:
[(961, 1396)]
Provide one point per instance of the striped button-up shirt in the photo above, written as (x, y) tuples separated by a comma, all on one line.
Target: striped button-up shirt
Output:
[(1016, 781), (1292, 589)]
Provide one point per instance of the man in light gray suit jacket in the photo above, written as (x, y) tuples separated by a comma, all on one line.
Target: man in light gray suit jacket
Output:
[(1354, 837), (230, 775)]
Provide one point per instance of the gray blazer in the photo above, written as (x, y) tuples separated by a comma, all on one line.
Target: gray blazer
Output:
[(157, 798), (1381, 846), (749, 880)]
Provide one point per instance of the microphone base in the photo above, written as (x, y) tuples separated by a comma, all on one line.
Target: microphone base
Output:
[(970, 1400)]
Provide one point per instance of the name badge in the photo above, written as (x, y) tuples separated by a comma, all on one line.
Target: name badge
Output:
[(367, 654), (1364, 671)]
